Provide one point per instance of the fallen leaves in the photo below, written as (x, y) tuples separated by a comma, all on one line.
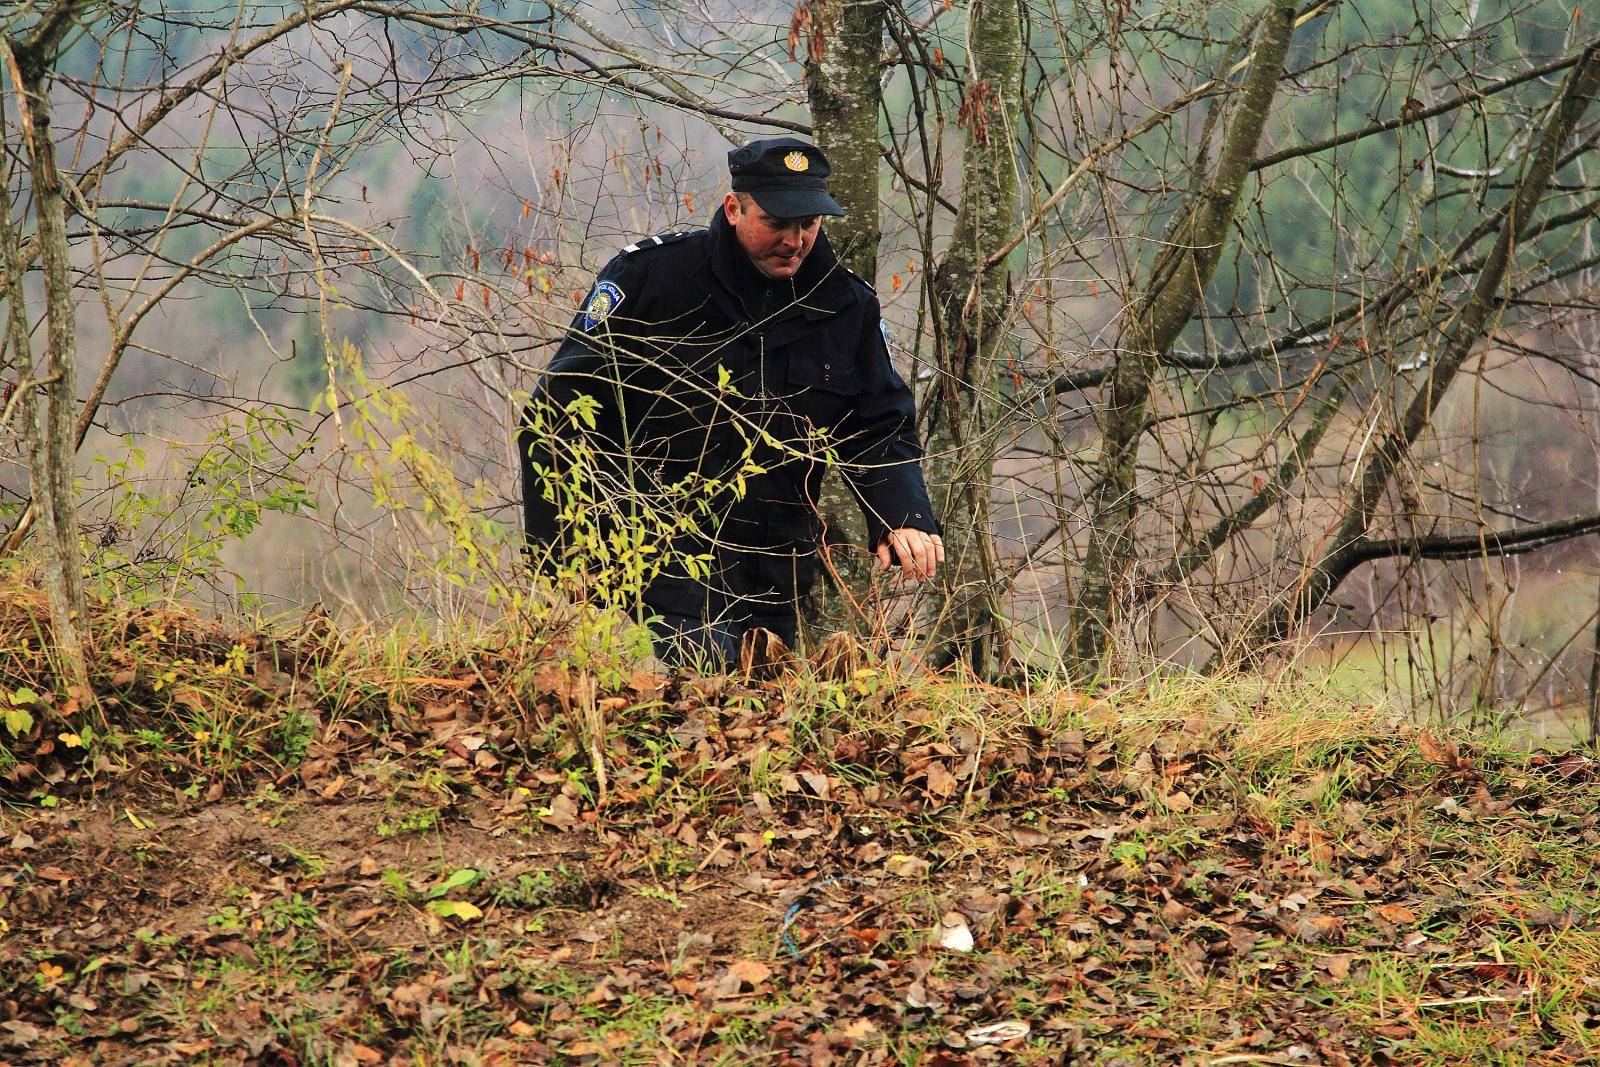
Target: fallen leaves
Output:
[(1396, 914), (455, 909), (999, 1033), (774, 879), (742, 975)]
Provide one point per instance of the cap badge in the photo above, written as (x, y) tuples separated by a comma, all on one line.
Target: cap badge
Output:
[(797, 162)]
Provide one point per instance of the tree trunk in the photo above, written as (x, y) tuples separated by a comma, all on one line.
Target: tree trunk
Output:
[(48, 407), (1170, 298), (842, 83), (971, 307), (846, 95)]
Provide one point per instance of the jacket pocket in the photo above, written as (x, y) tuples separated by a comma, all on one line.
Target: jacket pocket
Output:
[(824, 369)]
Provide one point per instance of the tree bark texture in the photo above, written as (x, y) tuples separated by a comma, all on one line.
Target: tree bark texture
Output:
[(972, 303), (48, 408), (1169, 300), (846, 94), (1465, 329)]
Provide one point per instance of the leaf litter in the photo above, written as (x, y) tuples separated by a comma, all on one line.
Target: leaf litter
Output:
[(795, 869)]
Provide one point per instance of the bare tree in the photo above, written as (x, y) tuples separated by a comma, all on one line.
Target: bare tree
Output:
[(1229, 322), (1168, 301), (969, 307), (47, 399)]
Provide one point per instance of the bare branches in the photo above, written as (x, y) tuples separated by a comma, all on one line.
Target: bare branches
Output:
[(1464, 329), (1416, 115), (1482, 544), (1168, 301), (1234, 325)]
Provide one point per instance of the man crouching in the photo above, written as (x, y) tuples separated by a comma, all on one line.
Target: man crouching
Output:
[(743, 353)]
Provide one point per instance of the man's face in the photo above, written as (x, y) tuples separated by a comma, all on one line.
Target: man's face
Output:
[(776, 246)]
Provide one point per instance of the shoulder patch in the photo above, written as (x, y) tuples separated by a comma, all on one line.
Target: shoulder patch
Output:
[(602, 302), (656, 242)]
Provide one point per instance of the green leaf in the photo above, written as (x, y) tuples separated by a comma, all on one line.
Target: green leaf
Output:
[(455, 909), (18, 721), (458, 880)]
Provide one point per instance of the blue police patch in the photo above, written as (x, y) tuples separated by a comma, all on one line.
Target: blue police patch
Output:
[(602, 302), (883, 328)]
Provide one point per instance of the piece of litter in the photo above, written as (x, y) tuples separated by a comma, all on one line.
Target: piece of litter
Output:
[(953, 933), (1000, 1033)]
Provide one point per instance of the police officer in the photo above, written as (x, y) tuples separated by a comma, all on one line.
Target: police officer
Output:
[(744, 346)]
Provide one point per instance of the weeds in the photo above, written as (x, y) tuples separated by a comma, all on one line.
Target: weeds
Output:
[(1198, 861)]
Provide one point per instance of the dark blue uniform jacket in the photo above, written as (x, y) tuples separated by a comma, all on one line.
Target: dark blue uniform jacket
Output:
[(666, 319)]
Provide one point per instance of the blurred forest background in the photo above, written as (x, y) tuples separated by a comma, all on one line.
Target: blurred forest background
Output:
[(1242, 331)]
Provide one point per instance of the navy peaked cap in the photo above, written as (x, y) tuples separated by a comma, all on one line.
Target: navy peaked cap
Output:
[(787, 176)]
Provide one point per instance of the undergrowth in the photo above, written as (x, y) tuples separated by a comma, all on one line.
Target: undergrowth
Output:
[(319, 843)]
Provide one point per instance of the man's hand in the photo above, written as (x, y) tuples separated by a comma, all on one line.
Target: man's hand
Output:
[(920, 553)]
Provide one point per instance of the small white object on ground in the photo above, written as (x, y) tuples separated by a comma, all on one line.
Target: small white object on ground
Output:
[(953, 933), (999, 1033)]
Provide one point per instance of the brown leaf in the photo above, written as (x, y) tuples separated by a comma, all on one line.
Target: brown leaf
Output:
[(941, 783), (1174, 912), (763, 655), (751, 972), (20, 1034), (1441, 753), (359, 1053), (563, 813), (838, 658), (741, 973), (903, 866), (1398, 914), (1338, 966)]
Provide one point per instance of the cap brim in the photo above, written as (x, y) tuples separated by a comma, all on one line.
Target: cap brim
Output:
[(796, 203)]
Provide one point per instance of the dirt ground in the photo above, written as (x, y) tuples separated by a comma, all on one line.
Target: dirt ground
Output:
[(770, 883)]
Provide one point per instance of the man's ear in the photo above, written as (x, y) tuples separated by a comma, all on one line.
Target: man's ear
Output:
[(731, 207)]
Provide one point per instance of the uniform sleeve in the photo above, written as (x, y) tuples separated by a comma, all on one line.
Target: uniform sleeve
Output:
[(585, 365), (883, 457)]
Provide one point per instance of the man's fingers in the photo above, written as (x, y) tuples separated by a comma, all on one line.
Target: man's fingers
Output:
[(902, 548), (922, 548), (919, 553)]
